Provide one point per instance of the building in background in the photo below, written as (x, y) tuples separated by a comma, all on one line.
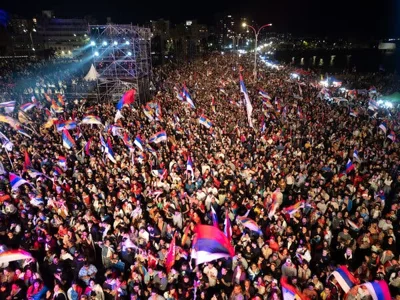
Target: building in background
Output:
[(65, 37), (161, 40), (189, 40), (22, 36)]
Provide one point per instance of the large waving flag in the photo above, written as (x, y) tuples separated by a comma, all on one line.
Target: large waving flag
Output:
[(205, 121), (250, 224), (249, 107), (158, 137), (378, 290), (70, 124), (127, 99), (68, 141), (90, 119), (6, 142), (16, 181), (345, 279), (210, 244), (289, 292), (187, 97)]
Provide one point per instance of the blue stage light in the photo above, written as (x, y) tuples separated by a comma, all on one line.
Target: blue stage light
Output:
[(92, 43), (129, 53), (105, 43), (96, 53)]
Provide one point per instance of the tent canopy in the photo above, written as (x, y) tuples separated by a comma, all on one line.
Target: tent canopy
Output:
[(92, 75)]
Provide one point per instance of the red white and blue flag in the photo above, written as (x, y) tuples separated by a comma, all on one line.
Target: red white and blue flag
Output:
[(345, 279), (378, 290), (16, 181), (138, 142), (210, 244), (249, 107), (214, 217), (227, 227), (249, 223), (289, 292), (187, 97), (127, 99), (68, 141), (158, 137), (349, 166)]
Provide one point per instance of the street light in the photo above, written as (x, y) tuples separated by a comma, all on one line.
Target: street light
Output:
[(256, 33)]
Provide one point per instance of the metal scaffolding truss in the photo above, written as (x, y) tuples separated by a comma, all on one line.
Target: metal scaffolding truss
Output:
[(122, 57)]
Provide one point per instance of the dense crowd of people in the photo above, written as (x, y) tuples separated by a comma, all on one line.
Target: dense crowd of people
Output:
[(98, 229)]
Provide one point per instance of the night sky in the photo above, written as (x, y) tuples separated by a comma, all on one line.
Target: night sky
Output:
[(350, 18)]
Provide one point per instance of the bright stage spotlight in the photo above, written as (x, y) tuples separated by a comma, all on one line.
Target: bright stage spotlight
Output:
[(129, 53), (96, 53), (127, 42), (92, 43), (115, 43), (105, 43)]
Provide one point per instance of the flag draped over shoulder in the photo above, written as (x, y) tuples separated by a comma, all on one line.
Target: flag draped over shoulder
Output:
[(210, 244)]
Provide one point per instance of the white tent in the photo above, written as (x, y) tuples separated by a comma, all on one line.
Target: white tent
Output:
[(92, 75)]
